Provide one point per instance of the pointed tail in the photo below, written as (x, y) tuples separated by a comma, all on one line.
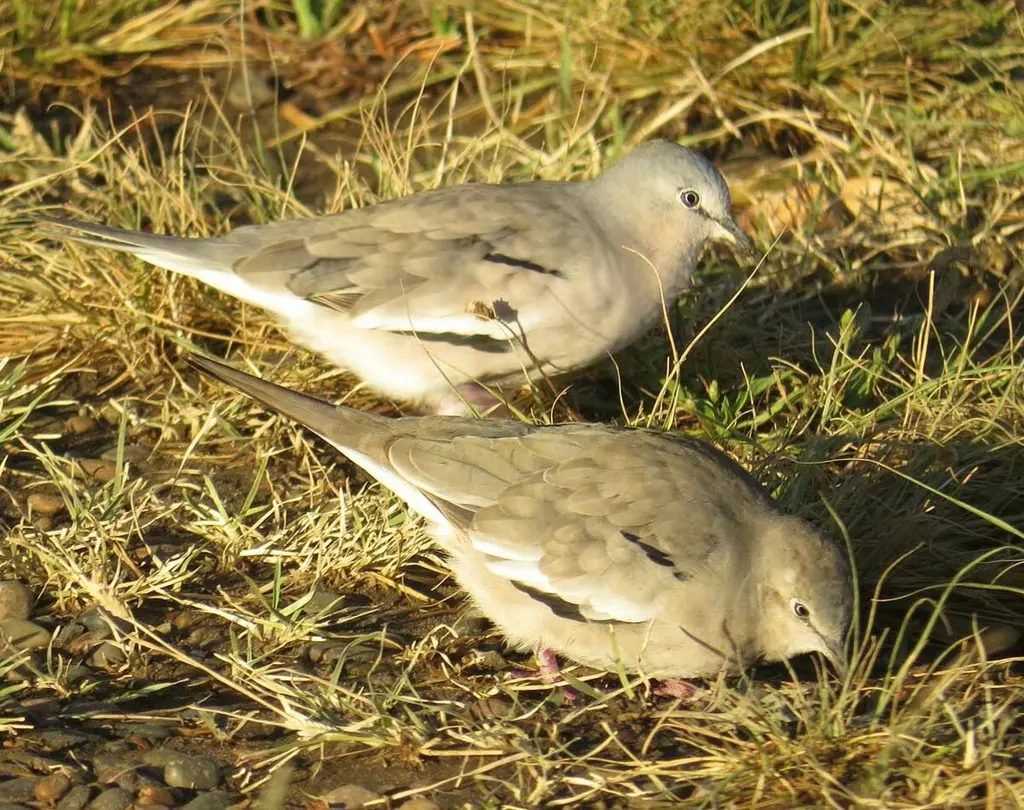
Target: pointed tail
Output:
[(194, 257), (344, 428)]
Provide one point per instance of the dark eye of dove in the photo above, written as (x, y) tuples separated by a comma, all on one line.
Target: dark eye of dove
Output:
[(689, 198)]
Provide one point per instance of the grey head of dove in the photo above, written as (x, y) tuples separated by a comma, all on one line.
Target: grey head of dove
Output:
[(454, 297), (612, 547)]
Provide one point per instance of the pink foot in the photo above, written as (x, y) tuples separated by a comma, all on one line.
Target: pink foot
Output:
[(548, 671), (675, 688), (547, 665), (470, 399)]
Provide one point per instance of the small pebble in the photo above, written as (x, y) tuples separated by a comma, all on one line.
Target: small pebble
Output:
[(77, 672), (15, 600), (109, 766), (212, 800), (19, 789), (96, 621), (40, 709), (205, 637), (185, 619), (327, 652), (82, 709), (195, 773), (28, 668), (57, 740), (110, 414), (490, 708), (107, 656), (156, 794), (77, 798), (45, 505), (20, 634), (141, 781), (150, 731), (322, 602), (134, 454), (349, 797), (67, 635), (51, 787), (111, 799), (419, 803), (76, 425), (161, 757), (46, 428), (489, 660), (98, 470)]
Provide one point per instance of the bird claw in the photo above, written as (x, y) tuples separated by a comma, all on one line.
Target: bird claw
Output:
[(547, 664), (548, 672), (675, 688)]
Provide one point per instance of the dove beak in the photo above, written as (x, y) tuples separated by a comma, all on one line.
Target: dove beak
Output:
[(833, 653), (728, 231)]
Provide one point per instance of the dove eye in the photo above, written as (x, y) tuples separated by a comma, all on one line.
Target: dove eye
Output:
[(800, 609), (689, 198)]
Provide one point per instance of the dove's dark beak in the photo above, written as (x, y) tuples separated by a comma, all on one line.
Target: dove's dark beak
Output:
[(729, 231), (834, 654)]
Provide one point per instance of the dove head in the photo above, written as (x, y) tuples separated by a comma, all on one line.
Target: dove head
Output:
[(669, 201), (805, 593)]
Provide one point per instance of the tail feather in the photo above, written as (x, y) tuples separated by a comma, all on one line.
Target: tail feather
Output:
[(344, 428), (362, 437), (194, 257), (211, 261)]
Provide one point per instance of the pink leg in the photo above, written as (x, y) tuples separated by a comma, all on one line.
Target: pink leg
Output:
[(548, 670), (469, 398), (547, 665), (673, 687)]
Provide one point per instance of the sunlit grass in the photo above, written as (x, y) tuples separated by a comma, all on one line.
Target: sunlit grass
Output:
[(869, 372)]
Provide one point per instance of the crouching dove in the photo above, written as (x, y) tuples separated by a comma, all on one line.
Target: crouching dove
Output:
[(448, 297), (610, 546)]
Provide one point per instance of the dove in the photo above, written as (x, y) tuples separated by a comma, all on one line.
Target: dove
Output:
[(453, 298), (612, 547)]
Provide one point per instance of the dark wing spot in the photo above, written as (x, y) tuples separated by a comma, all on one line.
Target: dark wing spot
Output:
[(656, 556), (522, 264), (558, 606), (481, 343)]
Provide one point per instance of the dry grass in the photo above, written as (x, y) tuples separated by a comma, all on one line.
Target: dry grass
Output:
[(870, 372)]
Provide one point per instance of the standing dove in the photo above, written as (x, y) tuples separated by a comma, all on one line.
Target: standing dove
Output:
[(609, 546), (449, 297)]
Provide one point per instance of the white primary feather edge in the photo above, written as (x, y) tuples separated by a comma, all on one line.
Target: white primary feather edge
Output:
[(285, 304), (458, 324), (594, 603)]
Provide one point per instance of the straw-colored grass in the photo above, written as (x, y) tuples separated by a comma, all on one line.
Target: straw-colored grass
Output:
[(870, 373)]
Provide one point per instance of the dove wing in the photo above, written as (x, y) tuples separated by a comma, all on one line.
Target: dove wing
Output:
[(478, 262), (594, 522)]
